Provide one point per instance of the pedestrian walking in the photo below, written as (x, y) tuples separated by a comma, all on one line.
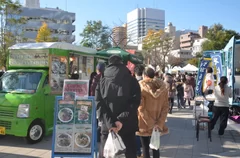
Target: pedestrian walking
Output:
[(188, 93), (138, 70), (152, 111), (170, 84), (180, 93), (221, 106), (117, 98), (209, 81), (209, 86), (96, 79), (192, 82)]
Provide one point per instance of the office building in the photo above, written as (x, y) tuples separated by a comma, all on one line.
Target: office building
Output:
[(120, 36), (140, 20), (32, 3), (60, 22)]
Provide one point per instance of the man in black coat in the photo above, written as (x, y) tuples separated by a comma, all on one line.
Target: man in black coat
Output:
[(117, 98)]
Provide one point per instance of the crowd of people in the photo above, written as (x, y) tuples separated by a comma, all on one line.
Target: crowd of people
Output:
[(133, 105)]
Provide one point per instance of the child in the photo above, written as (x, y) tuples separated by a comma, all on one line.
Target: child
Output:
[(188, 92)]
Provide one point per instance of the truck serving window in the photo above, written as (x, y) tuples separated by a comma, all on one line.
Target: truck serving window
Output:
[(20, 82)]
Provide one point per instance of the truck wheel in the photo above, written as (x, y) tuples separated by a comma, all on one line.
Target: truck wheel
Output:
[(35, 132)]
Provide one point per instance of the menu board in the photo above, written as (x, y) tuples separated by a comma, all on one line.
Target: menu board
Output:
[(28, 58), (58, 73), (73, 129), (79, 87)]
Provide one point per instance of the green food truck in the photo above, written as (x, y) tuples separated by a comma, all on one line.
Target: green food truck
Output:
[(36, 73)]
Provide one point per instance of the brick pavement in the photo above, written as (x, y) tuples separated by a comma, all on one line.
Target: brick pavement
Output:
[(179, 143)]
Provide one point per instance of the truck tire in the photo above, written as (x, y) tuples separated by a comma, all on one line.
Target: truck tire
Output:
[(35, 132)]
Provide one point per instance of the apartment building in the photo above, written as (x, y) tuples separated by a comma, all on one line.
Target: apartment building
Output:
[(119, 35), (187, 40), (60, 22)]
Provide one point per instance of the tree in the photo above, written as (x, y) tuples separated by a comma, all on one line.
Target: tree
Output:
[(55, 39), (156, 47), (96, 35), (11, 27), (44, 34), (175, 61), (195, 61), (218, 37)]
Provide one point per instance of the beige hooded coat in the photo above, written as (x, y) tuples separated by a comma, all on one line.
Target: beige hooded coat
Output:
[(154, 107)]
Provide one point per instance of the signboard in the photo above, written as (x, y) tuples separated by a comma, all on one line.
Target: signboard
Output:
[(201, 73), (58, 73), (217, 61), (28, 58), (79, 87), (74, 128)]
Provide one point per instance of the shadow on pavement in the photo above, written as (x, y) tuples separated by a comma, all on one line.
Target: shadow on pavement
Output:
[(181, 142), (15, 156), (45, 144)]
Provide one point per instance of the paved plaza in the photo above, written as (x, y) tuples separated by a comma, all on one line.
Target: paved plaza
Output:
[(179, 143)]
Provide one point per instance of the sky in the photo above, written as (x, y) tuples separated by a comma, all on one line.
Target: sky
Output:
[(184, 14)]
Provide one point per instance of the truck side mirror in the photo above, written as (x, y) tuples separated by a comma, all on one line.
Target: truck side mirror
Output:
[(47, 90)]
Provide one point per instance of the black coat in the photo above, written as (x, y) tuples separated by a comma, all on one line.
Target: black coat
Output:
[(117, 98), (1, 73)]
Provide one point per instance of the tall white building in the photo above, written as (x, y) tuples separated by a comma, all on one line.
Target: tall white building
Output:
[(140, 20), (32, 3)]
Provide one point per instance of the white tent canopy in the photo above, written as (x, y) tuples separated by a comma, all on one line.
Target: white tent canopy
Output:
[(190, 67), (176, 68)]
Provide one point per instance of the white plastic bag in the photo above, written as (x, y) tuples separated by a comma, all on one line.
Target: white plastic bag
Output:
[(119, 146), (114, 146), (108, 151), (155, 140)]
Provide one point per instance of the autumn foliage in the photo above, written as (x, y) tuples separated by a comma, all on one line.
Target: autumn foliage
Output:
[(44, 34)]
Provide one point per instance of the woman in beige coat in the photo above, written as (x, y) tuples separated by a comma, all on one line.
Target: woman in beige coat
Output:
[(152, 111)]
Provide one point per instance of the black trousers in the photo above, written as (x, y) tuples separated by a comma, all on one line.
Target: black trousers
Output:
[(129, 140), (145, 145), (171, 103), (223, 113)]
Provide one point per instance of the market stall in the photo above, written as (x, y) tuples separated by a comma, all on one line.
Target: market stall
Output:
[(124, 54)]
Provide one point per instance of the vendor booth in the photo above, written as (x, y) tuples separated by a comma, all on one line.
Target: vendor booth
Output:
[(124, 54)]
